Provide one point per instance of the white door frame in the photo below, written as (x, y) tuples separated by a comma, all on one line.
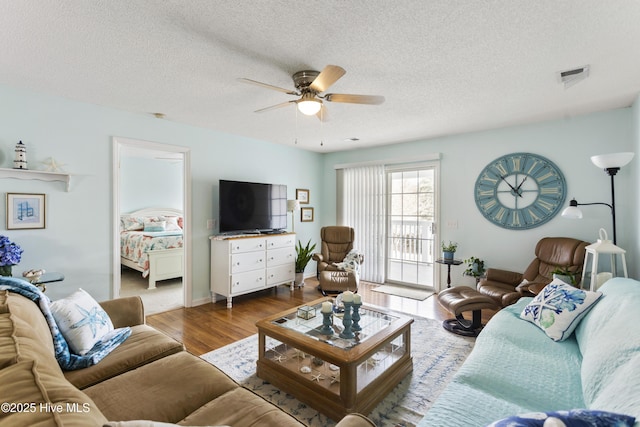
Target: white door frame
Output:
[(118, 144)]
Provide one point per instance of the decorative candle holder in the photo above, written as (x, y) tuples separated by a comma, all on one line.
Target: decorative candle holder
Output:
[(347, 321), (356, 317), (327, 329)]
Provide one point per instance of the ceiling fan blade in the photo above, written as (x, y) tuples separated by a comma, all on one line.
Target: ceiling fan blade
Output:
[(268, 86), (273, 107), (329, 75), (354, 99)]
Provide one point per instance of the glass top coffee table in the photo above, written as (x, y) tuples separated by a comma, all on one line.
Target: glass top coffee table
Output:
[(333, 375)]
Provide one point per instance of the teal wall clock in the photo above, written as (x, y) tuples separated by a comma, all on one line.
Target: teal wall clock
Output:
[(520, 191)]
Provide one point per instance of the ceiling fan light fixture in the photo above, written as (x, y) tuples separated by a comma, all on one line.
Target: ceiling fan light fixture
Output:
[(309, 105)]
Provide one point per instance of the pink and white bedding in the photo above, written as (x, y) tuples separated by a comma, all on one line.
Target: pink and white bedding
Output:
[(140, 235)]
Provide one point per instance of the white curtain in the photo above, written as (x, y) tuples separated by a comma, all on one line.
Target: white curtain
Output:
[(363, 209)]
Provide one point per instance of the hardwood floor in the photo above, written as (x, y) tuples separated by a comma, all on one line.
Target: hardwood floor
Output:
[(210, 326)]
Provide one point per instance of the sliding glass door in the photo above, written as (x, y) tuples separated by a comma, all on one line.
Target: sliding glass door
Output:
[(411, 207)]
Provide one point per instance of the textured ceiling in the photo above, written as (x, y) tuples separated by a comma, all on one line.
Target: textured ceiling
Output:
[(444, 66)]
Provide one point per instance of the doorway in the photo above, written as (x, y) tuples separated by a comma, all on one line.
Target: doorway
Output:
[(411, 208), (175, 160)]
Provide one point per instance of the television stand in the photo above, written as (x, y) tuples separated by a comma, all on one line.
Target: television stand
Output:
[(248, 263)]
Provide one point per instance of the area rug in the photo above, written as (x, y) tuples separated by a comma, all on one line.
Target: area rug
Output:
[(403, 291), (437, 355)]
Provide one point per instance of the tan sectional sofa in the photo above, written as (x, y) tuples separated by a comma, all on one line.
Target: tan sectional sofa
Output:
[(148, 377)]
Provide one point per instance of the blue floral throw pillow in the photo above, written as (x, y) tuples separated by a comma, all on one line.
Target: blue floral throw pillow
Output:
[(573, 418), (558, 308)]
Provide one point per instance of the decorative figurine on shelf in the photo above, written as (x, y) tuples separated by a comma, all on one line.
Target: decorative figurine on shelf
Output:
[(51, 165), (21, 156)]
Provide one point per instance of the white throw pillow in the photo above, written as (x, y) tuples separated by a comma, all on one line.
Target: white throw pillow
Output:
[(81, 321), (558, 309)]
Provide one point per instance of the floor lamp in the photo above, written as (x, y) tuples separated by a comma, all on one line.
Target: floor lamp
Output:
[(611, 163), (293, 206)]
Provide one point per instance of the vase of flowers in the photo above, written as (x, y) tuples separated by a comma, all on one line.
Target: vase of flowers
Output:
[(10, 255)]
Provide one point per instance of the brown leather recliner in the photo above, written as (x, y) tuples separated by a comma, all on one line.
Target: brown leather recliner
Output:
[(336, 242), (507, 287)]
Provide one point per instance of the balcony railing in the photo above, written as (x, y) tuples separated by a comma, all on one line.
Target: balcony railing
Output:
[(411, 241)]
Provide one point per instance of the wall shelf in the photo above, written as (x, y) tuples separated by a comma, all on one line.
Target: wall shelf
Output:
[(39, 175)]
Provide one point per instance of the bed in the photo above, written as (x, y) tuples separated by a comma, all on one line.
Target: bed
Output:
[(151, 242)]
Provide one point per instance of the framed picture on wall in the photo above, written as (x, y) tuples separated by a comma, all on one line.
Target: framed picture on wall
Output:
[(302, 195), (26, 211), (306, 214)]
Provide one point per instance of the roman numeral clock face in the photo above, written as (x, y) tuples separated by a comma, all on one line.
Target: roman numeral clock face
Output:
[(520, 191)]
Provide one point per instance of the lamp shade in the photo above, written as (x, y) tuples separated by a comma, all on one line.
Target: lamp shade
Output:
[(572, 212), (293, 205), (614, 160), (309, 104)]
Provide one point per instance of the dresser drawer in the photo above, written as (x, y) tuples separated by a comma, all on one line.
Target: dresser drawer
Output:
[(281, 256), (243, 282), (247, 245), (247, 261), (283, 273), (287, 240)]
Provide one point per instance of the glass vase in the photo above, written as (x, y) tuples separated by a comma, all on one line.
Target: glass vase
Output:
[(5, 270)]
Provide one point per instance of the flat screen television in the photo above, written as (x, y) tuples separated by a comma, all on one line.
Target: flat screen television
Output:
[(249, 207)]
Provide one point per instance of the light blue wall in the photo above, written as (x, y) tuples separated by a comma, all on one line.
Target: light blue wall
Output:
[(150, 183), (569, 143), (77, 240)]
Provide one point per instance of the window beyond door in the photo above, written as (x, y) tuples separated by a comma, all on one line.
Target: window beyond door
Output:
[(410, 224)]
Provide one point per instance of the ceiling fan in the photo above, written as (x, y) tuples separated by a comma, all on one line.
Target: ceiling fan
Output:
[(310, 87)]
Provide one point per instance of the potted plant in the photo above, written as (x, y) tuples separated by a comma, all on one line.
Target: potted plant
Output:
[(475, 267), (303, 256), (449, 250), (566, 275)]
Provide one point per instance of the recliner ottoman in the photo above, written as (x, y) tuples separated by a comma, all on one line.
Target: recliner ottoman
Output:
[(338, 281)]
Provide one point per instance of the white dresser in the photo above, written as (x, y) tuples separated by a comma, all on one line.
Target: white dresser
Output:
[(240, 265)]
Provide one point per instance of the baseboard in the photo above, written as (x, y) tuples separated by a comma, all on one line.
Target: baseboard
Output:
[(201, 301)]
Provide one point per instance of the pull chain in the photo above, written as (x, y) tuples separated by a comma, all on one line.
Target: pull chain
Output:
[(322, 126), (296, 135)]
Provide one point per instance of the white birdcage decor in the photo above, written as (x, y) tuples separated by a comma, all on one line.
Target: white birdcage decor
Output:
[(598, 269)]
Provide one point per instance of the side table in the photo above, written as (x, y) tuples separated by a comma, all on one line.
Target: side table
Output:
[(48, 278), (449, 263)]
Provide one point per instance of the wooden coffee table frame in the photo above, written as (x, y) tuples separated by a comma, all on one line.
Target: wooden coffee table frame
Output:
[(363, 381)]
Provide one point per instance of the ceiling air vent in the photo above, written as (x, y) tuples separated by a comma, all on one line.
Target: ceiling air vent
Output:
[(570, 77)]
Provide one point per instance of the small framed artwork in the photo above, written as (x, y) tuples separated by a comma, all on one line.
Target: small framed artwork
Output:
[(306, 214), (302, 196), (25, 211)]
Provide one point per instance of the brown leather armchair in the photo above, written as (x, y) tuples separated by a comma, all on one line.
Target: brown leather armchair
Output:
[(507, 287), (336, 242)]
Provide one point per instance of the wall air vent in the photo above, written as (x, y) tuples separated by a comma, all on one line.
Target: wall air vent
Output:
[(570, 77)]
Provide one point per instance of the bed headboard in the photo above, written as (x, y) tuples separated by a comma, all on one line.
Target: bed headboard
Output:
[(156, 212)]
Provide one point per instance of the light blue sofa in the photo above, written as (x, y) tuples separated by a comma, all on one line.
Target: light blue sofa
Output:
[(515, 368)]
